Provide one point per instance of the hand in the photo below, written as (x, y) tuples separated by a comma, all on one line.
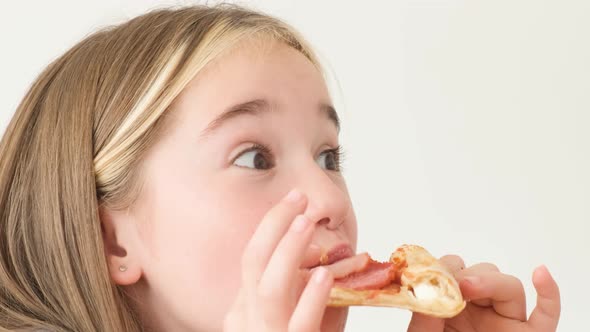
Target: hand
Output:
[(496, 302), (276, 295)]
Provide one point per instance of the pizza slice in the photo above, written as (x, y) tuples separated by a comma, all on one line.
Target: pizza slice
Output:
[(412, 279)]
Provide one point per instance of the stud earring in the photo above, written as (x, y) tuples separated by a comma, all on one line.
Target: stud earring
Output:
[(122, 268)]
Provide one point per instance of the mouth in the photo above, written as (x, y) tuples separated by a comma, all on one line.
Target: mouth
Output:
[(335, 254), (341, 261)]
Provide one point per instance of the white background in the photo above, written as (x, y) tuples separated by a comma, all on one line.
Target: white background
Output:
[(466, 123)]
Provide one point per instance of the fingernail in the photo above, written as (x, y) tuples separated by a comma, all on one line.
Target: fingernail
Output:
[(299, 224), (320, 275), (472, 281), (293, 196)]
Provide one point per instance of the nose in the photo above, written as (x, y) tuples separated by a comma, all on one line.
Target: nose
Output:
[(328, 201)]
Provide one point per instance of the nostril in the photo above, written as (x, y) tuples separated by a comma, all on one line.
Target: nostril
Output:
[(324, 221)]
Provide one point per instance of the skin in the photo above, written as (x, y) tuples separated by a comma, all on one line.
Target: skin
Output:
[(184, 238), (215, 242)]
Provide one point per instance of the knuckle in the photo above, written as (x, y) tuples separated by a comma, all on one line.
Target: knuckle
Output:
[(453, 259), (493, 267), (519, 285), (487, 267)]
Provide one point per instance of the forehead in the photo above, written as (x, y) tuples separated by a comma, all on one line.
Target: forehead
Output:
[(252, 70)]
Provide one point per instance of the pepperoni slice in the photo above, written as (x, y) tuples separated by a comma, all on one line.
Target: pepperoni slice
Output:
[(375, 275)]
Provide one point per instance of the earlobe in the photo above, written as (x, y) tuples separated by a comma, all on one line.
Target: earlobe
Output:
[(118, 235), (124, 275)]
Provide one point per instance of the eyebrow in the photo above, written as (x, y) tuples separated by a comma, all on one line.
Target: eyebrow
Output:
[(257, 106)]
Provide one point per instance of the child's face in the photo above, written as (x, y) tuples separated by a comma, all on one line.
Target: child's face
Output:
[(211, 178)]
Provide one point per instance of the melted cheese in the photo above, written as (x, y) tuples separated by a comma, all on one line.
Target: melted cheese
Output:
[(426, 291)]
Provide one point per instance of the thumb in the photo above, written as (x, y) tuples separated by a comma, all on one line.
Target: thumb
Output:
[(423, 323), (545, 316)]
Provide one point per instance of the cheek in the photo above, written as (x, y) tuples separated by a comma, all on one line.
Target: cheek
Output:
[(204, 233), (194, 242)]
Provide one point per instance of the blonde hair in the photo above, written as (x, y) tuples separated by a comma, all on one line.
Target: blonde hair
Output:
[(76, 141)]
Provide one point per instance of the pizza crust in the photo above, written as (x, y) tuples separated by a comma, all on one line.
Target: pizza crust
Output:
[(426, 287)]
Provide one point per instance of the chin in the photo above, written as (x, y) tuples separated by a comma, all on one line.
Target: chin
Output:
[(334, 319)]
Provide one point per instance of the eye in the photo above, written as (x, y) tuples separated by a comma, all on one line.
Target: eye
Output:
[(330, 159), (256, 157)]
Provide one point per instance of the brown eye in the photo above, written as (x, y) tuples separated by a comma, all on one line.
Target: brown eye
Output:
[(329, 160), (254, 158)]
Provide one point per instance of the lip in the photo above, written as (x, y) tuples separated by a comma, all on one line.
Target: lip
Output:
[(336, 253)]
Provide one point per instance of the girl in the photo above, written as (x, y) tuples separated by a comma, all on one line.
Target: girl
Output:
[(180, 172)]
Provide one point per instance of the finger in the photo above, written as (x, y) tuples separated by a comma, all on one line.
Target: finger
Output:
[(503, 292), (349, 265), (268, 234), (452, 262), (234, 319), (276, 284), (312, 255), (423, 323), (545, 316), (475, 270), (312, 303)]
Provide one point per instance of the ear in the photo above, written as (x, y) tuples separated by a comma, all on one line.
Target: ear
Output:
[(122, 245)]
